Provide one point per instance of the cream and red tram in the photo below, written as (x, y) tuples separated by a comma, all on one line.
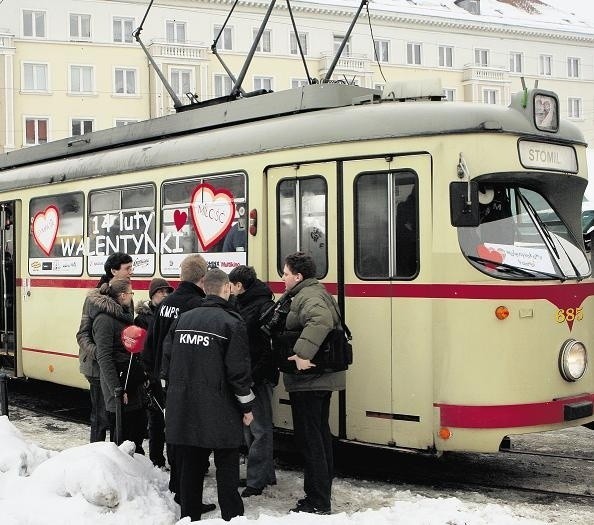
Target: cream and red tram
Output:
[(449, 233)]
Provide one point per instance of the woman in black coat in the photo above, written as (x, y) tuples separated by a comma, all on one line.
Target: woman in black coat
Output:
[(114, 303)]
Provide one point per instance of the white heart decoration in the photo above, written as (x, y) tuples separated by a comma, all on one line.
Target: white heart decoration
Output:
[(45, 228), (212, 213)]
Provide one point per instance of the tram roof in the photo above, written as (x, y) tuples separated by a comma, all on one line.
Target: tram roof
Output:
[(310, 115)]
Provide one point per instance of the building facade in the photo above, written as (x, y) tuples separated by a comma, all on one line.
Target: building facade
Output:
[(73, 66)]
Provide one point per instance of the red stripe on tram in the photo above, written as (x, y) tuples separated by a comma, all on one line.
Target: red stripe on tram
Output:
[(49, 352), (507, 416)]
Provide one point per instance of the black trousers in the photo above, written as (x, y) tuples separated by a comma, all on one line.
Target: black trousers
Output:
[(312, 434), (191, 464), (134, 425), (99, 417), (156, 428)]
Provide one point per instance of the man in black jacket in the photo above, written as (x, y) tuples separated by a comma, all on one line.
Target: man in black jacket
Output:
[(253, 298), (206, 365), (188, 295)]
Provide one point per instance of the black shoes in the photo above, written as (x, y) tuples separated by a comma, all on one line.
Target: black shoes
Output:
[(251, 491), (242, 482), (304, 505), (207, 507)]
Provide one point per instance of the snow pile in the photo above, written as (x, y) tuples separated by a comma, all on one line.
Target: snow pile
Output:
[(102, 484), (16, 455), (94, 483)]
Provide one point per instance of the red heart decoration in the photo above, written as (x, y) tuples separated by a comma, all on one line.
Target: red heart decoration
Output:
[(45, 228), (487, 253), (180, 218), (212, 213)]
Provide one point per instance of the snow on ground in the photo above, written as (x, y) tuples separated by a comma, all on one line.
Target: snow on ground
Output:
[(49, 474)]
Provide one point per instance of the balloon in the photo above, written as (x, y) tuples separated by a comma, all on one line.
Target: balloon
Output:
[(133, 338)]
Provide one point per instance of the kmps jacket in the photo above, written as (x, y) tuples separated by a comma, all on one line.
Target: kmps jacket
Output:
[(251, 305), (186, 297), (206, 364)]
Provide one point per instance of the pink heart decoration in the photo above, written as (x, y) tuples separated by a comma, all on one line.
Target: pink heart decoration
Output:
[(487, 253), (212, 213), (180, 218), (45, 228)]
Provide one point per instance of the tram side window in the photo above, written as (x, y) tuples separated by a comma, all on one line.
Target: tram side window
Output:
[(302, 221), (206, 215), (386, 230), (56, 244), (122, 220)]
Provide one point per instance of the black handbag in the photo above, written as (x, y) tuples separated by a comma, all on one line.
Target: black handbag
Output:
[(334, 355)]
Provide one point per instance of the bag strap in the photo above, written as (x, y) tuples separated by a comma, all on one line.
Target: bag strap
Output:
[(345, 328)]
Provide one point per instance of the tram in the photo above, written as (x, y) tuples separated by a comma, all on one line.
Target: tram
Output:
[(448, 232)]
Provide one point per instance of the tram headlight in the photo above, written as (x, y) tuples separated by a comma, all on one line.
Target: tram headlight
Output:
[(573, 360)]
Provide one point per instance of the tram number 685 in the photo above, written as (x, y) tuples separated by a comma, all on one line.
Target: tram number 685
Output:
[(569, 314)]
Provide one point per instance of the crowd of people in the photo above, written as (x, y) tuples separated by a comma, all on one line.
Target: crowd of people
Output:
[(210, 358)]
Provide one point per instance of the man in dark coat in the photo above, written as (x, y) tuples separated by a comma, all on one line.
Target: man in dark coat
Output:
[(254, 298), (206, 365), (159, 289), (188, 295)]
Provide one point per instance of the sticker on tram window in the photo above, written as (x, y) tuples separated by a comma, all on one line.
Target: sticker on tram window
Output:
[(205, 215), (55, 229), (568, 315), (122, 220)]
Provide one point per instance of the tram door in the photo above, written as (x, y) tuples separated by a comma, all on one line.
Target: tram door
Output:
[(8, 362), (390, 386), (302, 212)]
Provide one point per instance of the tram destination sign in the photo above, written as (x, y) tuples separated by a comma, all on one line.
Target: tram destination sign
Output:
[(547, 156)]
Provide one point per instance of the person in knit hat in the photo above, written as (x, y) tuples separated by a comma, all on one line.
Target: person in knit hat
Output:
[(145, 310)]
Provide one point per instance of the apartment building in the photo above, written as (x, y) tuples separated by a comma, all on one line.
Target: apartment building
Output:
[(68, 67)]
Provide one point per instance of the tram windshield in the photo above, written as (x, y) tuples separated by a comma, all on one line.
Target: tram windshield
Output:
[(520, 236)]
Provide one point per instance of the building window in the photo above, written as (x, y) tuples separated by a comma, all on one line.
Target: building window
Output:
[(449, 95), (176, 31), (181, 81), (264, 46), (298, 82), (413, 53), (338, 42), (446, 56), (382, 50), (263, 83), (481, 57), (35, 77), (34, 23), (225, 41), (545, 65), (573, 67), (516, 62), (122, 30), (124, 122), (81, 126), (295, 46), (81, 79), (36, 130), (574, 107), (125, 81), (80, 27), (489, 96), (223, 85)]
